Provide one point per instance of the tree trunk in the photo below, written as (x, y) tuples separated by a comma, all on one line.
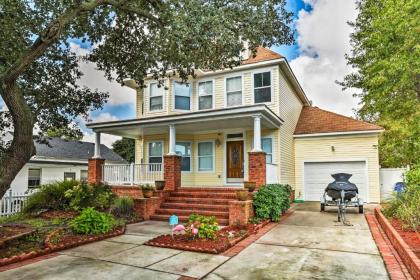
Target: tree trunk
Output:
[(22, 147)]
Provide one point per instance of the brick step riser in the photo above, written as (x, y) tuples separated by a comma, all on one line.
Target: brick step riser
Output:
[(218, 190), (204, 195), (197, 200), (179, 212), (183, 219), (187, 206)]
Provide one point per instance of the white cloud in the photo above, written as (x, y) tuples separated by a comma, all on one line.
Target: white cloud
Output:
[(323, 39), (94, 79), (106, 139)]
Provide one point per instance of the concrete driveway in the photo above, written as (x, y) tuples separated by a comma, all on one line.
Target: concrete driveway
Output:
[(309, 245), (306, 245)]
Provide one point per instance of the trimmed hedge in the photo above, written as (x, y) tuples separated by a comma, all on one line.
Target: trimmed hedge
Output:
[(271, 201)]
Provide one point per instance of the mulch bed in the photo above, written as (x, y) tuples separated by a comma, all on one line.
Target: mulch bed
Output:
[(13, 232), (216, 246), (410, 237), (59, 214)]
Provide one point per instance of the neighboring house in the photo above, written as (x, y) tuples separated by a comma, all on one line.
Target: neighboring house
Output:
[(211, 121), (59, 160)]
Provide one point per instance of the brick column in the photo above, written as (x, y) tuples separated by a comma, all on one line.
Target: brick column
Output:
[(257, 168), (95, 170), (240, 212), (172, 172)]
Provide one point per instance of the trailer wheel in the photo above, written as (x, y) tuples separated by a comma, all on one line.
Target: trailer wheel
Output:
[(322, 207), (360, 209)]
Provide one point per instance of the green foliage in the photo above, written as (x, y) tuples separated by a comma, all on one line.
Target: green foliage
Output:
[(385, 46), (13, 218), (406, 206), (125, 148), (84, 195), (207, 225), (123, 207), (255, 220), (64, 133), (50, 197), (147, 187), (91, 221), (271, 200), (36, 223)]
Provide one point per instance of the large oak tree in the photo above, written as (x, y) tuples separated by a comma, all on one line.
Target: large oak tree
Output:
[(39, 72)]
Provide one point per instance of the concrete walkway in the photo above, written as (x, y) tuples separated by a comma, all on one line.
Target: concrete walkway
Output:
[(306, 245)]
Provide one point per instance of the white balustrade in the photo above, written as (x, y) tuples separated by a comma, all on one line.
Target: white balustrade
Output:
[(132, 174)]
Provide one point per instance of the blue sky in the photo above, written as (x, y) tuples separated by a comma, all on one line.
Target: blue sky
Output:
[(317, 59)]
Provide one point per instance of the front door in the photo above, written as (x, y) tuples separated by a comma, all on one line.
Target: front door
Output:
[(235, 159)]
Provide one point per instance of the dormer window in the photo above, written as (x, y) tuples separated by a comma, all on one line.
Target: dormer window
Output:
[(182, 95), (205, 95), (262, 87), (156, 97)]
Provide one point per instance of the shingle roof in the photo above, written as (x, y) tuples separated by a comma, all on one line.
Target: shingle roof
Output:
[(315, 120), (263, 54), (61, 149)]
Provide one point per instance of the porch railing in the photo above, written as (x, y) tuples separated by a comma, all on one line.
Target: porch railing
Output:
[(14, 202), (132, 174)]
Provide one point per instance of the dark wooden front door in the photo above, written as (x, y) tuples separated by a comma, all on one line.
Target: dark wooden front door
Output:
[(235, 159)]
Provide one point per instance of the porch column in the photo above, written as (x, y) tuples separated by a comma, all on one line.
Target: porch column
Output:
[(96, 163), (172, 163), (257, 134), (172, 140)]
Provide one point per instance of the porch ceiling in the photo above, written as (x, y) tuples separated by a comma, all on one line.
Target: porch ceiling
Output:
[(211, 120)]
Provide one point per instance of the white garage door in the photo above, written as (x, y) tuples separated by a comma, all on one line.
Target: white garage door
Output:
[(317, 175)]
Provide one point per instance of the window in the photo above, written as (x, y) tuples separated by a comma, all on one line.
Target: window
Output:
[(267, 147), (205, 156), (182, 96), (184, 149), (83, 175), (155, 152), (234, 91), (68, 176), (156, 97), (34, 178), (205, 95), (262, 87)]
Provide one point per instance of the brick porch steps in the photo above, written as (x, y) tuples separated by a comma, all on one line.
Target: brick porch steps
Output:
[(184, 219), (198, 200), (192, 206), (183, 212), (212, 194)]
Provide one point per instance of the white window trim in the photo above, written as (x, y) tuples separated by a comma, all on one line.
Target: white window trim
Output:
[(259, 71), (213, 155), (40, 177), (272, 148), (148, 148), (149, 97), (242, 89), (173, 96), (213, 101), (80, 174), (191, 163)]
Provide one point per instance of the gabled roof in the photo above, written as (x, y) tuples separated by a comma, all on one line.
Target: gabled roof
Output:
[(262, 54), (71, 150), (315, 120)]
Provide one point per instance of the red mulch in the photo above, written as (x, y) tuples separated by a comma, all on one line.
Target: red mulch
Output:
[(12, 232), (59, 214), (216, 246), (410, 237)]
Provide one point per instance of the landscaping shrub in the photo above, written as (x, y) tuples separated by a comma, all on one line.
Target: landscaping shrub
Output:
[(406, 206), (91, 221), (207, 225), (123, 207), (50, 197), (84, 195), (271, 200)]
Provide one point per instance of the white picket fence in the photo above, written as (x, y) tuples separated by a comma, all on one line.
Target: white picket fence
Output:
[(132, 174), (13, 202)]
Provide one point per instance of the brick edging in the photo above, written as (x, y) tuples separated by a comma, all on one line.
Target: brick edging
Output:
[(411, 261), (50, 248)]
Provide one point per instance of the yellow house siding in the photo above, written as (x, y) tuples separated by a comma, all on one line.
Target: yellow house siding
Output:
[(289, 110), (139, 102), (346, 148)]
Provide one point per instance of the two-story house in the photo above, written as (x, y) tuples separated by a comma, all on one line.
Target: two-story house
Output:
[(220, 119)]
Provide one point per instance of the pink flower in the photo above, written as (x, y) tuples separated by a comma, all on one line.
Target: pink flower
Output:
[(194, 231), (178, 228)]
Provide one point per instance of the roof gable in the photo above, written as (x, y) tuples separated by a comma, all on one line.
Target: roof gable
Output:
[(315, 120)]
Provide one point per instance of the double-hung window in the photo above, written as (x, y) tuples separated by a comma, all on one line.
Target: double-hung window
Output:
[(184, 149), (267, 147), (205, 156), (262, 87), (34, 177), (182, 92), (83, 175), (234, 91), (69, 176), (156, 97), (205, 95), (155, 152)]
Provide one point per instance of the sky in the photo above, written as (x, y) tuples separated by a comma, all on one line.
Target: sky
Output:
[(316, 58)]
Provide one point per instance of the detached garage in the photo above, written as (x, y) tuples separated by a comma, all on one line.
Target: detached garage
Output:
[(326, 143)]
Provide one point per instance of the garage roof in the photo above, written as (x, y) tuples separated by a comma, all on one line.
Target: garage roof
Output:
[(314, 120)]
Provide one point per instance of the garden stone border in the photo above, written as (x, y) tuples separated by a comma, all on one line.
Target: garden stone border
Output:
[(50, 248), (411, 261)]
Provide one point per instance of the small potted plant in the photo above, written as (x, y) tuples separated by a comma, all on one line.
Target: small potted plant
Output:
[(147, 190), (160, 185), (250, 186), (242, 195)]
